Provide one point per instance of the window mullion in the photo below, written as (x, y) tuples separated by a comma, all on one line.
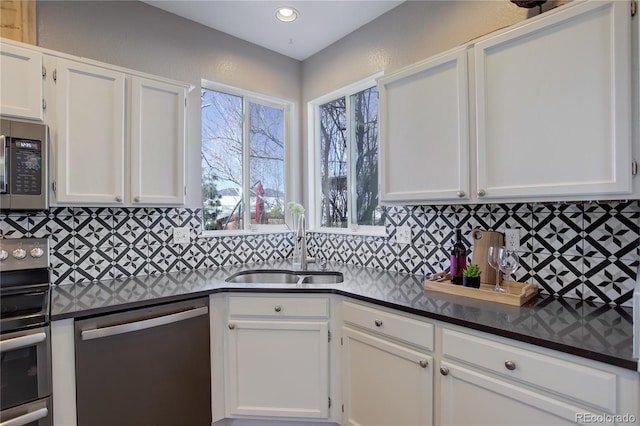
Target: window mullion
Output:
[(246, 165), (351, 158)]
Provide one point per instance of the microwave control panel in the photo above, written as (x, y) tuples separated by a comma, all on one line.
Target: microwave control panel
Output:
[(26, 166)]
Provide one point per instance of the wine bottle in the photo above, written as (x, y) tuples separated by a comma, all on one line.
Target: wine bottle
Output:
[(458, 259)]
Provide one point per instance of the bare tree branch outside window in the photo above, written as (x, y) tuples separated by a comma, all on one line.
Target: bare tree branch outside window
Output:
[(225, 194), (334, 168)]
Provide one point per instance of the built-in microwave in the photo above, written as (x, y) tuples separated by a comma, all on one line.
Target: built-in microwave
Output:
[(23, 165)]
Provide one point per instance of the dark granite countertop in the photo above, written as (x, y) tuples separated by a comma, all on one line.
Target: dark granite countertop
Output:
[(599, 332)]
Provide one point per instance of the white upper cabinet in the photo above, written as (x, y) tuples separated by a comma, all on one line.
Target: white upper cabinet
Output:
[(118, 138), (553, 106), (550, 104), (424, 128), (21, 93), (89, 134), (157, 142)]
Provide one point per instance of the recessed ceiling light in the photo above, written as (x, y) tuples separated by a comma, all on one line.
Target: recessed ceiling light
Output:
[(286, 14)]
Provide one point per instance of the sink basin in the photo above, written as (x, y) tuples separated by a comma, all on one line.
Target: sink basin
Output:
[(326, 277), (266, 276)]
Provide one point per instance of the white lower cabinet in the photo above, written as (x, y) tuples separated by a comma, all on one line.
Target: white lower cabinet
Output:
[(277, 357), (471, 397), (387, 376), (483, 381), (385, 383)]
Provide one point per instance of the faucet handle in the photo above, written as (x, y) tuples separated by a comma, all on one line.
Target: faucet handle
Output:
[(323, 264), (321, 261)]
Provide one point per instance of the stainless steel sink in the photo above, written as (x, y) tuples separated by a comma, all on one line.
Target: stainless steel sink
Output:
[(266, 276)]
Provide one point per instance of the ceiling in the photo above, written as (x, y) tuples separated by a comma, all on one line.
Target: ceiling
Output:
[(320, 22)]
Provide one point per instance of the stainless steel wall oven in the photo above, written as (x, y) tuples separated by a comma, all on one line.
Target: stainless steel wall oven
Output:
[(25, 348)]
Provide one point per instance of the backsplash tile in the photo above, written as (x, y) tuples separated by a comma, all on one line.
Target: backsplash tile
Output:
[(585, 251)]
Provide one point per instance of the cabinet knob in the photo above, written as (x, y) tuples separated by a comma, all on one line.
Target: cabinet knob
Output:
[(423, 363), (118, 198), (444, 371), (277, 309), (460, 194), (378, 323), (510, 365), (481, 192), (136, 199), (231, 326)]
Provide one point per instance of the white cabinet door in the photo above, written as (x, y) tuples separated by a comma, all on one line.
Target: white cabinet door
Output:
[(385, 383), (469, 397), (553, 105), (424, 128), (278, 369), (20, 83), (157, 142), (90, 134)]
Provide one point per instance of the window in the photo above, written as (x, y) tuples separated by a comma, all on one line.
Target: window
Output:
[(345, 131), (244, 139)]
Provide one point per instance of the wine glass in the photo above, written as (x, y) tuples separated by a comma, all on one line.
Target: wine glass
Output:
[(508, 261), (492, 257)]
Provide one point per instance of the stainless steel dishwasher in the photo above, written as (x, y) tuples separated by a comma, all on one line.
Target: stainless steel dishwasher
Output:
[(149, 366)]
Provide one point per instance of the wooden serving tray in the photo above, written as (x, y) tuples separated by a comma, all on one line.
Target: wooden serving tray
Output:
[(518, 293)]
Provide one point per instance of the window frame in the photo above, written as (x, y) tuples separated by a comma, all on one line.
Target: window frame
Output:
[(313, 161), (290, 152)]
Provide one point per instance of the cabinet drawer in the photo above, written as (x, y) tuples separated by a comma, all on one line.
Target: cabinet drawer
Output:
[(583, 384), (399, 327), (279, 307)]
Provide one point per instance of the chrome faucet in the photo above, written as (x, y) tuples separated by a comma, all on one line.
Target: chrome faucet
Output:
[(301, 244)]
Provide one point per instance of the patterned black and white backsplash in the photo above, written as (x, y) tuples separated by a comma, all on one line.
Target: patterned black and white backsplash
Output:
[(586, 251)]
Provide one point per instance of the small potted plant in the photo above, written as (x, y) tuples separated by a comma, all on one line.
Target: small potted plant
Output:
[(471, 276)]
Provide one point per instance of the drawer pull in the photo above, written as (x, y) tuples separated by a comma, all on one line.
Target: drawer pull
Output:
[(423, 363), (231, 326), (510, 365), (378, 323), (444, 371), (277, 309)]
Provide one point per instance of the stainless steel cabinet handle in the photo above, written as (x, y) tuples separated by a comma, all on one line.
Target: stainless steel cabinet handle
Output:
[(460, 194), (378, 323), (481, 192), (444, 371), (22, 342), (28, 418), (510, 365), (231, 326), (97, 333), (277, 309), (423, 363)]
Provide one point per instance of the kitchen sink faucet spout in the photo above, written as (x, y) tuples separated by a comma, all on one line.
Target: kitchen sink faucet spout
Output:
[(301, 245)]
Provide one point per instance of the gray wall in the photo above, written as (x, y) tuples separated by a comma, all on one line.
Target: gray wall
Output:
[(135, 35)]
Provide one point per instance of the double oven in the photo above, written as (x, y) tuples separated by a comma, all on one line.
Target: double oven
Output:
[(25, 347)]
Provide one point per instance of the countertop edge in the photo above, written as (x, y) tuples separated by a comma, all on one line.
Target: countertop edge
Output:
[(572, 350)]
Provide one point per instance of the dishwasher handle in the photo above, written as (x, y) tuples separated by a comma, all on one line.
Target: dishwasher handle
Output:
[(96, 333), (28, 418)]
